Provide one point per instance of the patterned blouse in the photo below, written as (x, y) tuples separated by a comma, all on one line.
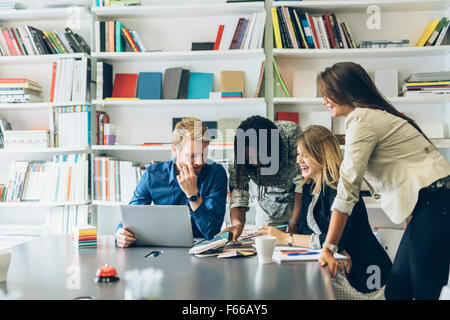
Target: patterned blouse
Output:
[(281, 193)]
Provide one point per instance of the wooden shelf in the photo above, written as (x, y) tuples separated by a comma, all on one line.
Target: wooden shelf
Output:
[(363, 52), (394, 100), (360, 6), (44, 14), (188, 10), (181, 102), (40, 105), (43, 204), (43, 58), (45, 150), (180, 55)]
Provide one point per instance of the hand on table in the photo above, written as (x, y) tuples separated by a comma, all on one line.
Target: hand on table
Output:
[(124, 238), (335, 266), (235, 230), (271, 231)]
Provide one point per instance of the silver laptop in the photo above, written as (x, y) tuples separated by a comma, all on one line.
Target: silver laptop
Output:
[(158, 226)]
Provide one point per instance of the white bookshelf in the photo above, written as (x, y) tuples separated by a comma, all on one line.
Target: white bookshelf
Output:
[(39, 204), (45, 14), (39, 59), (37, 151), (40, 105)]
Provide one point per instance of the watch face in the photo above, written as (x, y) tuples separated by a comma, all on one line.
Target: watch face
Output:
[(193, 198)]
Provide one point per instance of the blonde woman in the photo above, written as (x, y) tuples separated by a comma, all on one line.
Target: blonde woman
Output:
[(319, 157)]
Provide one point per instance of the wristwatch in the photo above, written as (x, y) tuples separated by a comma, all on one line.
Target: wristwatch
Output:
[(295, 223), (290, 239), (194, 197), (330, 247)]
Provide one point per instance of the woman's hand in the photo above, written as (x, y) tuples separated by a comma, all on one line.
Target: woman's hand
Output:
[(271, 231), (293, 228), (345, 265), (327, 258)]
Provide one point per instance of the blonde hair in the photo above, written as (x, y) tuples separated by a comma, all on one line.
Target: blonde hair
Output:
[(190, 129), (321, 148)]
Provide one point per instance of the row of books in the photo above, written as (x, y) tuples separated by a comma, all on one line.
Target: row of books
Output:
[(115, 3), (70, 80), (63, 179), (435, 33), (427, 84), (62, 220), (30, 41), (178, 83), (25, 139), (296, 29), (71, 126), (115, 180), (241, 32), (14, 90), (113, 36)]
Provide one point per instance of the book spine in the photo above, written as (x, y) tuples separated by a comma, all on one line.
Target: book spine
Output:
[(9, 42), (219, 37), (130, 40), (347, 29), (276, 29), (139, 41), (119, 47), (16, 42), (289, 27), (132, 34), (297, 15), (330, 34), (236, 33), (111, 44), (314, 32), (336, 30), (52, 47), (284, 34), (102, 37), (241, 34)]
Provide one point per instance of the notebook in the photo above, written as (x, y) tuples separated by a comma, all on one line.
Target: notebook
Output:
[(176, 82), (149, 85), (232, 81), (200, 85), (302, 254), (125, 85)]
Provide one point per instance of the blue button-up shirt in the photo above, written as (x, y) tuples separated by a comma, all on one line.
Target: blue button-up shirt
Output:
[(160, 186)]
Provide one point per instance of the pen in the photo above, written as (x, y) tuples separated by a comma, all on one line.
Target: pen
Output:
[(281, 227), (302, 253)]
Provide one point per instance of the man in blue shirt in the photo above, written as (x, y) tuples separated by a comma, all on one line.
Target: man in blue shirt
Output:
[(189, 179)]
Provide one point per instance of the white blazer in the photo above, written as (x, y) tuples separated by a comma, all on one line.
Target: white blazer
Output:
[(393, 157)]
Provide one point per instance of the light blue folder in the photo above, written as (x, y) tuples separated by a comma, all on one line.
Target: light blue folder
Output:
[(200, 85)]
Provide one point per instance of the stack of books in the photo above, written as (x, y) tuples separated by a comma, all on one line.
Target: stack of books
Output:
[(71, 126), (115, 180), (30, 41), (84, 236), (115, 3), (241, 32), (113, 36), (19, 91), (70, 80), (25, 139), (296, 30), (431, 84), (435, 33), (12, 6), (63, 179)]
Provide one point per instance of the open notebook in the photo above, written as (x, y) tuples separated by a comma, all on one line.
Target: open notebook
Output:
[(286, 254)]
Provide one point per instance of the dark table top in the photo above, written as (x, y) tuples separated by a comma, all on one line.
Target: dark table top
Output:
[(48, 268)]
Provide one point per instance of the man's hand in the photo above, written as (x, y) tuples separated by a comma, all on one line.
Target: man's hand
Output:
[(293, 228), (187, 179), (236, 230), (124, 238)]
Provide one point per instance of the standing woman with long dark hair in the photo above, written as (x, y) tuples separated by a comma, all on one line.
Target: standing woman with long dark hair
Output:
[(405, 173)]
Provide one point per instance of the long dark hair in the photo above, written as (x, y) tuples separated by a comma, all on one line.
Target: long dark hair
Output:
[(244, 169), (347, 83)]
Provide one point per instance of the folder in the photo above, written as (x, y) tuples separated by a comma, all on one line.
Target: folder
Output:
[(232, 81), (125, 85), (176, 82)]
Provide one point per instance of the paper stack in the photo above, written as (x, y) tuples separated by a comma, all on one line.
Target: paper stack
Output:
[(84, 236)]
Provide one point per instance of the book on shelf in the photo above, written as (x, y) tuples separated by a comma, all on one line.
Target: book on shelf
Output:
[(176, 82), (115, 3), (241, 32), (260, 81), (232, 82), (287, 116), (104, 80), (115, 180), (431, 84), (101, 119), (70, 80), (71, 126), (63, 179), (2, 192), (384, 44), (149, 85), (434, 33), (200, 85), (26, 139), (125, 85), (28, 41), (113, 36), (19, 90), (62, 220), (280, 89), (295, 29), (199, 46)]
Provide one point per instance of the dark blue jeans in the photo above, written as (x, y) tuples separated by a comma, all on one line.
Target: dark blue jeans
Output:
[(422, 263)]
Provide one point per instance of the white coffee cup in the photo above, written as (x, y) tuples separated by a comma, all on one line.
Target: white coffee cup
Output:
[(5, 258), (264, 248)]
